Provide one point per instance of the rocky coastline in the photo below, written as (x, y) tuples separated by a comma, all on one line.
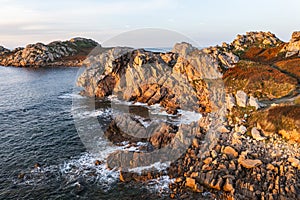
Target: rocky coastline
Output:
[(245, 146)]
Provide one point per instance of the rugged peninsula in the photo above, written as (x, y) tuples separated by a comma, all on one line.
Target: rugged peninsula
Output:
[(246, 145), (57, 53)]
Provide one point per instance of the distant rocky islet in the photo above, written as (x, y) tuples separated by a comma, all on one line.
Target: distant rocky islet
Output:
[(58, 53)]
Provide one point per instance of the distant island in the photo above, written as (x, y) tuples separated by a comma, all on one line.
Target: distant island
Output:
[(57, 53), (256, 154)]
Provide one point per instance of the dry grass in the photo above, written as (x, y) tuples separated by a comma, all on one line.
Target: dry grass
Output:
[(259, 80), (291, 66), (297, 100), (284, 120), (262, 55)]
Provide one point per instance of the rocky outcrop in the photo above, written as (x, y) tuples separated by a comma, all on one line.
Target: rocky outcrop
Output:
[(293, 47), (258, 39), (174, 80), (67, 53), (223, 55), (241, 99), (3, 50)]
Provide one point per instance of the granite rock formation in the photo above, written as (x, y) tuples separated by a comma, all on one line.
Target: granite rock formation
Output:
[(66, 53)]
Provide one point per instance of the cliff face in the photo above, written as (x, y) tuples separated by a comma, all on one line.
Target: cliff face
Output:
[(67, 53), (174, 79)]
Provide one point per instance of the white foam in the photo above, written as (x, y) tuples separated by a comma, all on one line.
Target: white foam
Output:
[(160, 185), (183, 116), (71, 96), (94, 113), (159, 166), (84, 166)]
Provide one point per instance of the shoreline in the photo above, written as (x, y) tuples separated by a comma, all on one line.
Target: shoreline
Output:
[(255, 135)]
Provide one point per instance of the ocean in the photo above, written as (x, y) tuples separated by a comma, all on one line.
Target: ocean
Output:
[(41, 154)]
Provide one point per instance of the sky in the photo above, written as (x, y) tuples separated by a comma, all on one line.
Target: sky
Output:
[(207, 22)]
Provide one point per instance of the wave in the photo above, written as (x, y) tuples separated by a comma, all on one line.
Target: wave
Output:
[(70, 96)]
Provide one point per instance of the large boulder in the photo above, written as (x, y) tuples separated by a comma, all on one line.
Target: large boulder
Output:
[(293, 47)]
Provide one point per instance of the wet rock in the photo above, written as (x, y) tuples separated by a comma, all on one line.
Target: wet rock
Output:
[(124, 128), (126, 176), (98, 162), (21, 175), (37, 165), (162, 136)]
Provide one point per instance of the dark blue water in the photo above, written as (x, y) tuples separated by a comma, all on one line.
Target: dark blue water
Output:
[(36, 126)]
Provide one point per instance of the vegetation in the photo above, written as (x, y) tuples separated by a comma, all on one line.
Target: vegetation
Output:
[(260, 80), (291, 66), (284, 120), (297, 100), (266, 55)]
